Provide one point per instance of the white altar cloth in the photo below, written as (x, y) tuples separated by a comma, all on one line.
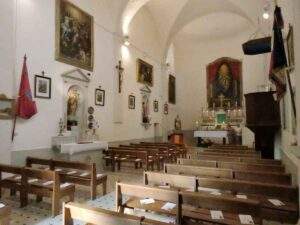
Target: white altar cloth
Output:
[(211, 133), (71, 148)]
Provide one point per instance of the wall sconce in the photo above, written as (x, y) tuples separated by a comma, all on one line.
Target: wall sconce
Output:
[(126, 41), (266, 14)]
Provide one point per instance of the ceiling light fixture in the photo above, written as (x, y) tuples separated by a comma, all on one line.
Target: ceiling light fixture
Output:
[(266, 14)]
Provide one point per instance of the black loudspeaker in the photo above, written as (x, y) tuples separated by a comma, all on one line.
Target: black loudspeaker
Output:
[(257, 46)]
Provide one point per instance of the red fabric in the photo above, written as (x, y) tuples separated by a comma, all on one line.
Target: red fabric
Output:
[(26, 107)]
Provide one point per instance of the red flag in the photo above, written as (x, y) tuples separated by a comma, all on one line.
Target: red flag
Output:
[(26, 107)]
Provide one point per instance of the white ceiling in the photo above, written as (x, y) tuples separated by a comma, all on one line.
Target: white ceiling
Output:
[(215, 25)]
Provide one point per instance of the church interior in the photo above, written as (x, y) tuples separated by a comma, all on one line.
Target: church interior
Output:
[(153, 112)]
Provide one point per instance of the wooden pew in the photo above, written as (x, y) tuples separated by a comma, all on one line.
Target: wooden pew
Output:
[(251, 167), (231, 151), (229, 146), (264, 177), (155, 154), (48, 184), (5, 214), (261, 192), (198, 206), (198, 171), (96, 216), (170, 180), (74, 172), (137, 192), (230, 155), (136, 157), (232, 165), (233, 159), (14, 182)]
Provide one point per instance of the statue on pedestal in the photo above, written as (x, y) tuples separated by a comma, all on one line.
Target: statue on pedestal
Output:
[(177, 123)]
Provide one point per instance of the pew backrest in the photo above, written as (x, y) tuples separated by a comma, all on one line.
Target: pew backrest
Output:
[(198, 171), (173, 180), (196, 162), (251, 166)]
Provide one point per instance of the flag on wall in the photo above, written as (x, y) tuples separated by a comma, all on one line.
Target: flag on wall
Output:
[(278, 57), (26, 107)]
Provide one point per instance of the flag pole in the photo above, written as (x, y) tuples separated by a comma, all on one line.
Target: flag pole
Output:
[(17, 105)]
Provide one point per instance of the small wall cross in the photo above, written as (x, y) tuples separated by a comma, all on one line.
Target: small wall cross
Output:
[(120, 75)]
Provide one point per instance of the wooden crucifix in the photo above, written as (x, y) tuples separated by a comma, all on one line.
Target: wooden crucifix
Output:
[(120, 75)]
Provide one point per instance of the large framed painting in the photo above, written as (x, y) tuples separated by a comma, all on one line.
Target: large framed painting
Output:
[(224, 83), (172, 89), (144, 72), (74, 43)]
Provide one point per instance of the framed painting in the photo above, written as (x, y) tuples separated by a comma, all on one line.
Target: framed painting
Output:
[(224, 83), (290, 48), (131, 102), (172, 89), (7, 107), (99, 97), (42, 87), (144, 72), (155, 106), (74, 41)]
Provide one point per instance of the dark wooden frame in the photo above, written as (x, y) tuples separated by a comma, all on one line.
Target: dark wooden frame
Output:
[(129, 105), (35, 86), (155, 106), (290, 48), (172, 81), (103, 93)]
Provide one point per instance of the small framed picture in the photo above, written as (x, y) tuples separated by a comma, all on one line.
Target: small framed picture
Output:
[(155, 106), (42, 87), (166, 108), (131, 102), (7, 107), (99, 97)]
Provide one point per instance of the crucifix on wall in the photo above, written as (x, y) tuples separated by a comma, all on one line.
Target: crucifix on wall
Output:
[(120, 75)]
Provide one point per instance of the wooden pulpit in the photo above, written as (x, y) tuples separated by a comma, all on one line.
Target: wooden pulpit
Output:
[(177, 138), (263, 118)]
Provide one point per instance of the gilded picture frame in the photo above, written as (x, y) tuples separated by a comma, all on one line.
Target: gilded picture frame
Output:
[(144, 72), (74, 36)]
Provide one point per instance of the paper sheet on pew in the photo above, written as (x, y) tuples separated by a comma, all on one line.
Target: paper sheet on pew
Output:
[(84, 174), (276, 202), (99, 175), (32, 180), (18, 178), (216, 215), (58, 170), (241, 196), (168, 206), (48, 183), (147, 201), (65, 185), (1, 205), (71, 172), (246, 219)]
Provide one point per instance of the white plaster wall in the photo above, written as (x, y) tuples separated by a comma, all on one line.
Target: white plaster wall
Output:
[(191, 58), (35, 36), (7, 56)]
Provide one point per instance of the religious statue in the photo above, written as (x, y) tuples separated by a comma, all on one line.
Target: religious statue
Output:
[(72, 108), (177, 123)]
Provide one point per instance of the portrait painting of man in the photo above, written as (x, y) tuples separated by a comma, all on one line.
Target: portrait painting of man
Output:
[(224, 83), (74, 36)]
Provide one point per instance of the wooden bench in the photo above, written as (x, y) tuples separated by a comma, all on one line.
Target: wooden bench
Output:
[(264, 177), (139, 192), (233, 159), (170, 180), (198, 206), (74, 172), (261, 192), (232, 165), (5, 214), (232, 151), (14, 181), (96, 216), (136, 157), (255, 156), (48, 184), (229, 146), (198, 171)]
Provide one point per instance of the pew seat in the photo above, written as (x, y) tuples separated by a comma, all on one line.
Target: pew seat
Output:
[(5, 214)]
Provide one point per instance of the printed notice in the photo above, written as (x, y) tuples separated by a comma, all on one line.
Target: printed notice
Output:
[(216, 215), (147, 201), (168, 206), (246, 219)]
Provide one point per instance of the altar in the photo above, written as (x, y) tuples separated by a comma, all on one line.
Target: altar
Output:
[(215, 134)]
